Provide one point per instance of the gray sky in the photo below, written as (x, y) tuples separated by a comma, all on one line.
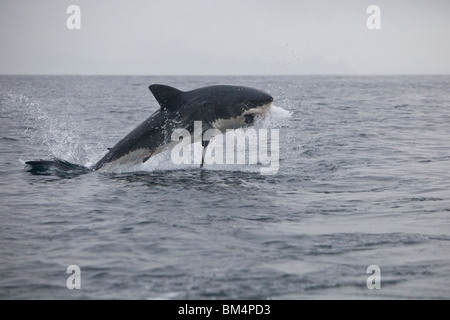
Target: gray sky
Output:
[(184, 37)]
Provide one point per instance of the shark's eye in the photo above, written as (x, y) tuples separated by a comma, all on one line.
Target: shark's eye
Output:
[(248, 118)]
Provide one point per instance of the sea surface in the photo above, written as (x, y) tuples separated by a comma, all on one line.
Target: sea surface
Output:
[(363, 180)]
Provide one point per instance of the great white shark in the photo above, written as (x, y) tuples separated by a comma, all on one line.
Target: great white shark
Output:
[(220, 107)]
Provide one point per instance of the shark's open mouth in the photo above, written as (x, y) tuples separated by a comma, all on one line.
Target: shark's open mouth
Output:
[(254, 115), (247, 118)]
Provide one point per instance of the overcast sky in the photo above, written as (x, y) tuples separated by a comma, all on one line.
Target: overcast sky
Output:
[(184, 37)]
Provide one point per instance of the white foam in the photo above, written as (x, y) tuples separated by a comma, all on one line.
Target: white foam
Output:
[(274, 118)]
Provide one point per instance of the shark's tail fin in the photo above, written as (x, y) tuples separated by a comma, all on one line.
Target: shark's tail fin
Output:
[(57, 166)]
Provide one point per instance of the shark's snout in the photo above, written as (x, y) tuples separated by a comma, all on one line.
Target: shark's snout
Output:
[(269, 98), (263, 99)]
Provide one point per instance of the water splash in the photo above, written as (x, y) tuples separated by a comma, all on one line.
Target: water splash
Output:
[(49, 125), (275, 118)]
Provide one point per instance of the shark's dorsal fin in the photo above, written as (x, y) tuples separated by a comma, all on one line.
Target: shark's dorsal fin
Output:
[(168, 98)]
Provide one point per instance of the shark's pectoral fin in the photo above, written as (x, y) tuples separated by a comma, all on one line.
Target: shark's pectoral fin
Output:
[(205, 145)]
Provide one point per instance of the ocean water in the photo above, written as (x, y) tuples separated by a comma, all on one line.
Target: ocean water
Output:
[(364, 179)]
